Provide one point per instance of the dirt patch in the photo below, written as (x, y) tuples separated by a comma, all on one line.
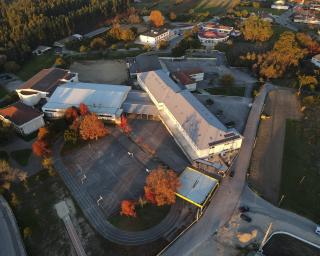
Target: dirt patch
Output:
[(266, 162), (101, 71)]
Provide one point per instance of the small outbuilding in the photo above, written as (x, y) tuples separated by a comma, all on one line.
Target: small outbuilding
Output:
[(196, 187), (23, 118)]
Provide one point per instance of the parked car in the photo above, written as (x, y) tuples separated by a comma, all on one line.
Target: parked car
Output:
[(244, 208), (231, 174), (245, 217), (317, 231)]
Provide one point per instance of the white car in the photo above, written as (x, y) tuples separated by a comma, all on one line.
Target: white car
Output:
[(317, 231)]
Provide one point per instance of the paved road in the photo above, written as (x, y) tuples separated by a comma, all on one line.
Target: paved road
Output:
[(10, 242), (263, 212), (284, 20), (226, 199), (74, 236)]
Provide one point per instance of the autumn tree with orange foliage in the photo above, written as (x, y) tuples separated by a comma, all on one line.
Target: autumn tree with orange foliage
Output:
[(156, 18), (41, 148), (91, 128), (161, 187), (128, 208), (83, 109), (124, 124), (42, 133), (71, 114)]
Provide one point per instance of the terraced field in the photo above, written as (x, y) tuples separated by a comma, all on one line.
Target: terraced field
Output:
[(212, 6)]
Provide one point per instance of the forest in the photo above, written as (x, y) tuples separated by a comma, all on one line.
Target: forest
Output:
[(25, 24)]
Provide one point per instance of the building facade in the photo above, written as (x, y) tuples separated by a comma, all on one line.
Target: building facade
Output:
[(154, 36), (196, 130)]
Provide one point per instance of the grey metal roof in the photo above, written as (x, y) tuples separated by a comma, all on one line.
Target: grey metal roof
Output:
[(143, 63), (198, 122), (96, 32), (138, 102)]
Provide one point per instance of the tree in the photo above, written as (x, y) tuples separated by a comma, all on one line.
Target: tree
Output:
[(172, 16), (70, 136), (42, 133), (307, 42), (128, 208), (226, 80), (92, 128), (11, 66), (6, 132), (98, 43), (8, 175), (161, 187), (41, 148), (286, 53), (256, 29), (71, 114), (127, 35), (124, 124), (83, 109), (156, 18), (83, 48), (307, 81), (59, 62), (134, 19), (163, 44)]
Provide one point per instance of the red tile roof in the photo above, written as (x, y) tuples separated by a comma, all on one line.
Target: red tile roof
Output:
[(46, 80), (19, 113), (183, 78)]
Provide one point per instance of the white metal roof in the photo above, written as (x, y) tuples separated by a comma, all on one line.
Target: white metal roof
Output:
[(202, 127), (196, 186), (100, 98)]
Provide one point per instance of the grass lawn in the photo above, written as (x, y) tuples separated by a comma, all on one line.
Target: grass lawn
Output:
[(4, 155), (302, 195), (35, 64), (166, 6), (251, 9), (147, 217), (21, 156), (227, 91), (3, 92)]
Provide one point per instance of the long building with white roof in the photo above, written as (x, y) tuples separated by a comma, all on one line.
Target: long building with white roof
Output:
[(196, 130), (103, 99)]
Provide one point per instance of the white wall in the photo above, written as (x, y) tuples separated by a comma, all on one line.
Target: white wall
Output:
[(31, 126)]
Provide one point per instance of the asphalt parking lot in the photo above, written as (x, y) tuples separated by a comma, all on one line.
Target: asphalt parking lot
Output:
[(228, 109), (155, 135), (105, 170)]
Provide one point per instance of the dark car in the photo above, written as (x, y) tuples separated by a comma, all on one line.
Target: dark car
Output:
[(245, 217), (244, 208)]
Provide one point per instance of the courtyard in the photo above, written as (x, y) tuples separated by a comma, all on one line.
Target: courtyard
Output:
[(101, 71), (103, 173)]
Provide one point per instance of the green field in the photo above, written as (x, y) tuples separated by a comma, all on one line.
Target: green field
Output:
[(212, 6), (227, 91), (300, 178), (35, 64), (147, 217)]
